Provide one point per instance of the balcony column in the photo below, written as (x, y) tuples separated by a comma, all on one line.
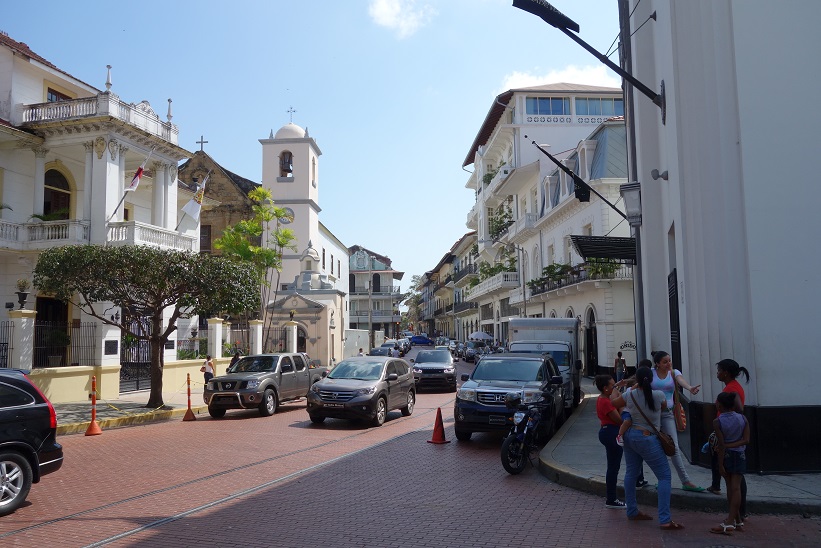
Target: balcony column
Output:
[(121, 187), (158, 194), (22, 343), (89, 146), (107, 182), (39, 179), (170, 206)]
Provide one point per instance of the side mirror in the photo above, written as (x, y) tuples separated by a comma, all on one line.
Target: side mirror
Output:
[(392, 377), (465, 377), (579, 365), (556, 380)]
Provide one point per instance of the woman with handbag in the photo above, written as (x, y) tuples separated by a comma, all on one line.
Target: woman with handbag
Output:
[(643, 443), (667, 379)]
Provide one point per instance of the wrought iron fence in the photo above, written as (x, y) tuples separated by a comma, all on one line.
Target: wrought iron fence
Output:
[(240, 342), (59, 344), (6, 345), (135, 357)]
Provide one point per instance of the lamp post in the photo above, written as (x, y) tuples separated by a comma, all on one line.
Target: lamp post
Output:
[(631, 193)]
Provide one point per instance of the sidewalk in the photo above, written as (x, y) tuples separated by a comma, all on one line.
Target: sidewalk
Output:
[(575, 458)]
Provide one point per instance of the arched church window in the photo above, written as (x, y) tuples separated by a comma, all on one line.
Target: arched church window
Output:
[(286, 164), (57, 196)]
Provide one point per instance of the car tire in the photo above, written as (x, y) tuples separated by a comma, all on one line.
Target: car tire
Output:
[(316, 419), (408, 409), (216, 412), (381, 412), (268, 405), (463, 435), (18, 470)]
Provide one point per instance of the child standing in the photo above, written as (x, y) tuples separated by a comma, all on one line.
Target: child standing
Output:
[(732, 436)]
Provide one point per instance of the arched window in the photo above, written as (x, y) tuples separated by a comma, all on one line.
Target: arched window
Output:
[(351, 283), (376, 284), (569, 313), (286, 164), (57, 196)]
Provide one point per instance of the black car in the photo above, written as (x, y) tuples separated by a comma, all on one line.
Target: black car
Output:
[(381, 351), (435, 369), (28, 438), (480, 401)]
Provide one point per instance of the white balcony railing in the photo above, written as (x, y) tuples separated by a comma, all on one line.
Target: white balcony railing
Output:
[(504, 281), (139, 115), (135, 233), (42, 234)]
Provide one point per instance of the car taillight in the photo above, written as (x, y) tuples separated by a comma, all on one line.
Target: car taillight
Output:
[(52, 418)]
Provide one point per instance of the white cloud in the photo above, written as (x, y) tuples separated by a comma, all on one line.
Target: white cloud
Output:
[(401, 16), (593, 75)]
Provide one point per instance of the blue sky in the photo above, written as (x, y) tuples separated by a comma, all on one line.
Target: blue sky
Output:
[(393, 91)]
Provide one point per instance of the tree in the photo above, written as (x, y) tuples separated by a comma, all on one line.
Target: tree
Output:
[(413, 299), (144, 281), (245, 241)]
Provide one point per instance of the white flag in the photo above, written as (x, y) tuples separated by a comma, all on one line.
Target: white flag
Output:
[(194, 205)]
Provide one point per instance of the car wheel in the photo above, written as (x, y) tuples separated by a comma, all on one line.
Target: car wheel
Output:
[(381, 412), (316, 419), (514, 455), (577, 396), (463, 435), (15, 481), (216, 412), (269, 403), (408, 409)]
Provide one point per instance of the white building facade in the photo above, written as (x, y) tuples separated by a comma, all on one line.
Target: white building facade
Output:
[(727, 237), (375, 293)]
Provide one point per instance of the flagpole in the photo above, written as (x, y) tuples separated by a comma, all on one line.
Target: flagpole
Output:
[(179, 223), (150, 152)]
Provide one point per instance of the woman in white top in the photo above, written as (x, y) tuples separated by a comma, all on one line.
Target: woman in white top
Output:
[(208, 369), (665, 379)]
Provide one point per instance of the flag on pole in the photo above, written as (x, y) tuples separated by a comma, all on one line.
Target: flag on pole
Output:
[(194, 205), (135, 182)]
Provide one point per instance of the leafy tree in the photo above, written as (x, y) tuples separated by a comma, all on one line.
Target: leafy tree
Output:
[(246, 242), (143, 281), (413, 299)]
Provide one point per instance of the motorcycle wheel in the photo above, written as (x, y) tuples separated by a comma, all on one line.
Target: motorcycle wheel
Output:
[(514, 455)]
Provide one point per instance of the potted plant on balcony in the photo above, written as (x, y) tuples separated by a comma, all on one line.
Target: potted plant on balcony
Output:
[(56, 215), (57, 340), (602, 268)]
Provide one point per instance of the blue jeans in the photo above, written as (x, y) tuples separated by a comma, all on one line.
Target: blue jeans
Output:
[(607, 437), (638, 448)]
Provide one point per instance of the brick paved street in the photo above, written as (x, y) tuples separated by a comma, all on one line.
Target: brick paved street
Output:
[(281, 481)]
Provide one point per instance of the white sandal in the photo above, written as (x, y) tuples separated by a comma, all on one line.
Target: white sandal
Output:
[(723, 529)]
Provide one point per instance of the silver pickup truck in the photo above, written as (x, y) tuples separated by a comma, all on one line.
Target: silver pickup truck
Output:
[(262, 381)]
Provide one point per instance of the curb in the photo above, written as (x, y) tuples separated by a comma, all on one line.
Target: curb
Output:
[(595, 484), (131, 420)]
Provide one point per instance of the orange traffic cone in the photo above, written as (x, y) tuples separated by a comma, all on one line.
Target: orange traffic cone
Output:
[(438, 429), (93, 427), (189, 414)]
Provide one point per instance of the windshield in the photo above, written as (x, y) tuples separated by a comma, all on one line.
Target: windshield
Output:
[(435, 356), (255, 364), (491, 369), (475, 344), (561, 357), (360, 370)]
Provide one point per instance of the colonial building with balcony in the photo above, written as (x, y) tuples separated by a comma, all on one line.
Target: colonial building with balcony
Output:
[(526, 213), (374, 292), (465, 313)]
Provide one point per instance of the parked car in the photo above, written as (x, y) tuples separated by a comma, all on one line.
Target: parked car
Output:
[(28, 438), (390, 344), (474, 348), (261, 381), (422, 340), (365, 388), (480, 401), (434, 368), (405, 344), (381, 351)]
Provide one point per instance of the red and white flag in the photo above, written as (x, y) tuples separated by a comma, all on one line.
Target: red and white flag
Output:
[(194, 205), (135, 182)]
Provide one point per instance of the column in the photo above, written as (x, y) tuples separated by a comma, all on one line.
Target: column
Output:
[(158, 194), (290, 336), (255, 336), (39, 178), (89, 146), (107, 184), (215, 337), (22, 342), (171, 202), (121, 178)]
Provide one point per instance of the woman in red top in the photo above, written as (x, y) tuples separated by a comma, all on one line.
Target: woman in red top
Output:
[(610, 422), (727, 371)]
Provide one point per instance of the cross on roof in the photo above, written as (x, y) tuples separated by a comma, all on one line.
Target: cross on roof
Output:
[(201, 142), (291, 111)]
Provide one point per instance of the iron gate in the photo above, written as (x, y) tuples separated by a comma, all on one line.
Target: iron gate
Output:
[(135, 358), (6, 346)]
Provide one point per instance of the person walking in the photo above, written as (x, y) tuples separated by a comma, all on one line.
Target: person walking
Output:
[(620, 366), (641, 444), (208, 369), (610, 420), (732, 436), (727, 371), (666, 379)]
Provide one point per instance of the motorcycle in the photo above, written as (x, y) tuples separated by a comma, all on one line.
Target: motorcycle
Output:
[(527, 435)]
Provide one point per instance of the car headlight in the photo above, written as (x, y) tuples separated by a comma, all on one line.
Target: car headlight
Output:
[(529, 396), (467, 394), (212, 386), (251, 384), (315, 388), (450, 369), (366, 391), (518, 416), (417, 369)]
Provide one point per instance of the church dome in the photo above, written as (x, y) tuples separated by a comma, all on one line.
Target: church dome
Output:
[(290, 131)]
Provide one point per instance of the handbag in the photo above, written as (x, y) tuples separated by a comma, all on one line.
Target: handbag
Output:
[(667, 443), (202, 369), (678, 412)]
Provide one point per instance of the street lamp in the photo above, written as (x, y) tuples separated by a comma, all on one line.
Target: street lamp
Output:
[(631, 194)]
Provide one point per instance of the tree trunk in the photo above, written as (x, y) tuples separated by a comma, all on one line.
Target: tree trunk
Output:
[(157, 346)]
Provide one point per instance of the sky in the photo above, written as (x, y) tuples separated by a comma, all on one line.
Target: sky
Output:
[(392, 91)]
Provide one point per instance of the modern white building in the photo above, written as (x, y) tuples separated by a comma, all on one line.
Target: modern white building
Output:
[(728, 236), (526, 213)]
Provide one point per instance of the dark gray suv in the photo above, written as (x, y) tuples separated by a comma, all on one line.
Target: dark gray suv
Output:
[(365, 388)]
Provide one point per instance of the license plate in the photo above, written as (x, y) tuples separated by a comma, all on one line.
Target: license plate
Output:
[(334, 405), (497, 419)]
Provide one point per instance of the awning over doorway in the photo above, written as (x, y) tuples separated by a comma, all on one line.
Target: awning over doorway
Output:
[(605, 247)]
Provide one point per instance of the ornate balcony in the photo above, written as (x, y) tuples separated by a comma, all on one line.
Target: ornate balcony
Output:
[(523, 227), (580, 275), (464, 306), (136, 233), (502, 282), (42, 234)]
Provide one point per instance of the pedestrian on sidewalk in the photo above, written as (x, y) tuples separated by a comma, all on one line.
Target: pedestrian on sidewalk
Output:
[(732, 436), (610, 420), (667, 379), (627, 420), (234, 360), (208, 369), (727, 371), (620, 366), (641, 444)]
